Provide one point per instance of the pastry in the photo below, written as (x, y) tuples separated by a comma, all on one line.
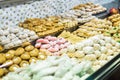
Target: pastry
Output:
[(70, 37), (48, 26), (21, 57), (98, 49), (90, 7), (15, 36), (94, 27), (52, 44), (115, 19)]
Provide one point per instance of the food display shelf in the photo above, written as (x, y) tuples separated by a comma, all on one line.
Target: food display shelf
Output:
[(107, 70)]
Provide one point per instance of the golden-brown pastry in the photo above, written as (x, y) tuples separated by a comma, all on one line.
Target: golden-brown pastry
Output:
[(24, 63), (70, 37), (17, 60), (34, 52), (19, 51), (48, 26), (25, 56), (90, 7), (29, 48), (33, 59), (94, 27), (2, 58), (13, 67)]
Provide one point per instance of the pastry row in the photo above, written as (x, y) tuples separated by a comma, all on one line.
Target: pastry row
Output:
[(78, 15), (52, 44), (53, 68), (94, 27), (114, 33), (97, 49), (115, 19), (70, 37), (90, 7), (14, 36), (48, 26), (20, 57)]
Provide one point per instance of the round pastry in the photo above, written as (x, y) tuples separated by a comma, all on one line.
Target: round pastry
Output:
[(24, 63), (41, 56), (9, 56), (33, 59), (13, 67), (34, 52), (25, 56), (19, 51), (16, 60), (29, 48)]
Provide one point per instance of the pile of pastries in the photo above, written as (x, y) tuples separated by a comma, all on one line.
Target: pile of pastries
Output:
[(90, 7), (78, 15), (70, 37), (14, 36), (114, 33), (115, 19), (52, 44), (68, 23), (20, 57), (53, 68), (87, 45), (94, 27), (97, 49), (48, 26)]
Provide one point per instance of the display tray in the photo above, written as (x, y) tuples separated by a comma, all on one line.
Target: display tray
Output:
[(107, 70), (114, 3)]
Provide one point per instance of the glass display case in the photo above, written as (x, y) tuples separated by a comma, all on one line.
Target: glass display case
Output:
[(109, 70)]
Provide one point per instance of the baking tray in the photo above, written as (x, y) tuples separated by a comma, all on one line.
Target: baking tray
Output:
[(107, 70)]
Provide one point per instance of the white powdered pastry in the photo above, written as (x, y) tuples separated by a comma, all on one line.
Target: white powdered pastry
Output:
[(15, 36), (94, 50)]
